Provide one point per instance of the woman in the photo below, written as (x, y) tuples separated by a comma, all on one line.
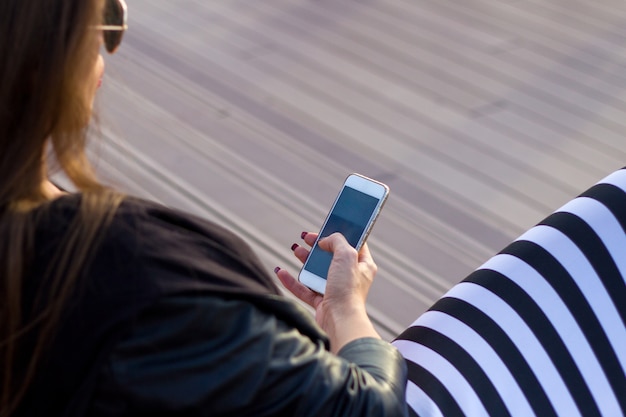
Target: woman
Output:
[(113, 306)]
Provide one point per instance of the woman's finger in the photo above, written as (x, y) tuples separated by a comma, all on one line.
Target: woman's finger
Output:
[(334, 243), (300, 252), (365, 254), (309, 237), (296, 288)]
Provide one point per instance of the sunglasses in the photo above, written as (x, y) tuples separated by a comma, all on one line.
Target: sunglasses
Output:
[(114, 24)]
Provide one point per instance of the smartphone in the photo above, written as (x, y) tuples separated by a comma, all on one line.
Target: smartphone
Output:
[(353, 214)]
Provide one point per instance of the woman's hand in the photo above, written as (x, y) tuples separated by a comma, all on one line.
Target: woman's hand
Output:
[(341, 311)]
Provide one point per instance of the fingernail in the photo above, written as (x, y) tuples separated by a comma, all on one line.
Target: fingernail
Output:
[(303, 234), (276, 269), (294, 246)]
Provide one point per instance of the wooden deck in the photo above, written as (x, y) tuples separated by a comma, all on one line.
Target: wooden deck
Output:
[(483, 116)]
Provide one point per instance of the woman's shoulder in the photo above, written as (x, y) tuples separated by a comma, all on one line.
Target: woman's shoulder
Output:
[(133, 218), (156, 219), (180, 243), (177, 250)]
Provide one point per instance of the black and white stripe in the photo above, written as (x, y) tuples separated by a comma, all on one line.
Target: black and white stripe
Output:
[(539, 329)]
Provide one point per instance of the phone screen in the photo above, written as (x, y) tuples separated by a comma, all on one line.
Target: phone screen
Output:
[(350, 217)]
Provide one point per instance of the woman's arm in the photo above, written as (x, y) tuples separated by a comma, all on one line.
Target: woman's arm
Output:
[(209, 356)]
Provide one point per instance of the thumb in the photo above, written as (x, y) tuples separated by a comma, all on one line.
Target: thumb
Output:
[(333, 242)]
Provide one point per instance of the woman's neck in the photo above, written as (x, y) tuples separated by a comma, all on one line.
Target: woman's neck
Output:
[(50, 190)]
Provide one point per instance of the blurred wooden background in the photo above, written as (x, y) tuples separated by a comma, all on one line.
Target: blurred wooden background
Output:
[(483, 116)]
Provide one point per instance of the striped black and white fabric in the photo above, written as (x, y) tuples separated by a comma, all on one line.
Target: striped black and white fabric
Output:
[(539, 329)]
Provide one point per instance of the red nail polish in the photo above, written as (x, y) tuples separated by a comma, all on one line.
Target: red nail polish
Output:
[(294, 246), (303, 234), (276, 269)]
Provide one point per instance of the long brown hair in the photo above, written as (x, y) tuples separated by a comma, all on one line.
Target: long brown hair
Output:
[(47, 50)]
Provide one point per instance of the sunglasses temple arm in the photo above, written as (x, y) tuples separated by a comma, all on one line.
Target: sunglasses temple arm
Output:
[(111, 27)]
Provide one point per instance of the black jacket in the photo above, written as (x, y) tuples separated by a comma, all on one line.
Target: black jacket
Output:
[(175, 316)]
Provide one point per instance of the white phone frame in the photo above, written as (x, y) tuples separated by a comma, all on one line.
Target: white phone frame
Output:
[(362, 184)]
